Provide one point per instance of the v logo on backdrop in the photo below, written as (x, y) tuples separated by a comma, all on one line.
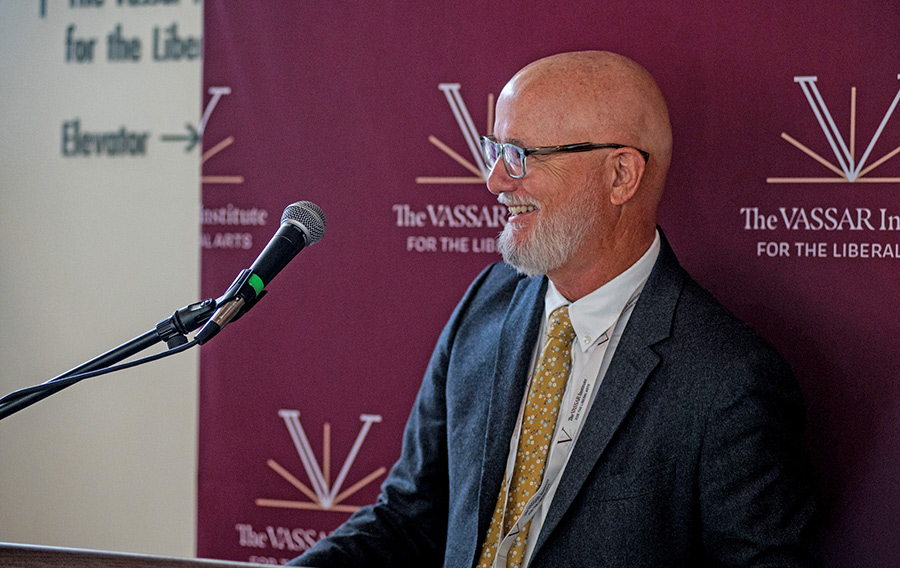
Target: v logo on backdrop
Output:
[(324, 495), (216, 94), (847, 168), (470, 134)]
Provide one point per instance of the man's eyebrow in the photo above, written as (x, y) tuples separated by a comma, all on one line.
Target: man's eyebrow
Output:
[(514, 142)]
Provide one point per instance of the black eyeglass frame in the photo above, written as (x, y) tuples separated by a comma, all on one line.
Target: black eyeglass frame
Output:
[(544, 150)]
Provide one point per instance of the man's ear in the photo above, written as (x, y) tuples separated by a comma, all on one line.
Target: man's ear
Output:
[(629, 169)]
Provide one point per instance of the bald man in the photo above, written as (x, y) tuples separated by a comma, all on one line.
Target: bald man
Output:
[(588, 404)]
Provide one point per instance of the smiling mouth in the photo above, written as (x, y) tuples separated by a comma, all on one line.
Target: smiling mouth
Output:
[(520, 209)]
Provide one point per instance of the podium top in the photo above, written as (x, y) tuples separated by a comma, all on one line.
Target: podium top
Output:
[(31, 556)]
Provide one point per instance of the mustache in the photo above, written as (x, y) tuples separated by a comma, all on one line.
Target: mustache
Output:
[(512, 201)]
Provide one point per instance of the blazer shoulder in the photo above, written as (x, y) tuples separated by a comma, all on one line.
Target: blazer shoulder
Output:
[(494, 286), (715, 327), (687, 325), (487, 299)]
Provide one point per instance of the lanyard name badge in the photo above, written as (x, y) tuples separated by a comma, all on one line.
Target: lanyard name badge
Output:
[(561, 446)]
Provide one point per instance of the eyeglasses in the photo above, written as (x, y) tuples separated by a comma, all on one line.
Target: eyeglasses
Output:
[(514, 156)]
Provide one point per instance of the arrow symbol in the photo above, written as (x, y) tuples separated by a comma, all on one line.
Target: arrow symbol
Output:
[(192, 137)]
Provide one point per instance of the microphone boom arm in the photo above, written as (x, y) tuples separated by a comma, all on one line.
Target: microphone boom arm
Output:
[(171, 330)]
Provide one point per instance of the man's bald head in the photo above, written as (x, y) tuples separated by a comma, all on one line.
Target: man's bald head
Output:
[(600, 97)]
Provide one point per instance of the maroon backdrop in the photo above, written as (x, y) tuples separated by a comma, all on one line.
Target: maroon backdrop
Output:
[(303, 400)]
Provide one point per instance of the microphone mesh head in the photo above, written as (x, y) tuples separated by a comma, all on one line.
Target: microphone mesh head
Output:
[(308, 217)]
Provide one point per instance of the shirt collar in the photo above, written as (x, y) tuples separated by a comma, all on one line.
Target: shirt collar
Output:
[(597, 312)]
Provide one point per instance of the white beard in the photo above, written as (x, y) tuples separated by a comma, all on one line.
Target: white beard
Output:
[(554, 238)]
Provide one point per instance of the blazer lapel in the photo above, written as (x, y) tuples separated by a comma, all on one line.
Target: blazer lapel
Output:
[(632, 363), (514, 353)]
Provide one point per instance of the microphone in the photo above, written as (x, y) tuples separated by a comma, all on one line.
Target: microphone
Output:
[(302, 225)]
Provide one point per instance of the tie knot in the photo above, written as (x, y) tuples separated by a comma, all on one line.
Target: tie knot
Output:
[(560, 326)]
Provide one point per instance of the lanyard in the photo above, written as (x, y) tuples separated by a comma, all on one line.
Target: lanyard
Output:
[(568, 426)]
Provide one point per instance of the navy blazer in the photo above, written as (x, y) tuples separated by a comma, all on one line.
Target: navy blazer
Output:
[(691, 454)]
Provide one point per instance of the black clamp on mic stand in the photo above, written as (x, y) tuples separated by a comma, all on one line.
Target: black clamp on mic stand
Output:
[(172, 330), (246, 290)]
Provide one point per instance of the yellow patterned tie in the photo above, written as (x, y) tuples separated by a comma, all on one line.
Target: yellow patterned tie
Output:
[(538, 423)]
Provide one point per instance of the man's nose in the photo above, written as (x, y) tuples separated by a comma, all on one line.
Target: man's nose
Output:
[(498, 181)]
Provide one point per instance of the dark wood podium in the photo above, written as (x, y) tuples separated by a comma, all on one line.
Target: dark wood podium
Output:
[(30, 556)]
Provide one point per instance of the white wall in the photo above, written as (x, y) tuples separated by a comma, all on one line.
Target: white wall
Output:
[(94, 251)]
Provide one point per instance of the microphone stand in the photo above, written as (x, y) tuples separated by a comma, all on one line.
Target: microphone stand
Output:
[(172, 330)]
